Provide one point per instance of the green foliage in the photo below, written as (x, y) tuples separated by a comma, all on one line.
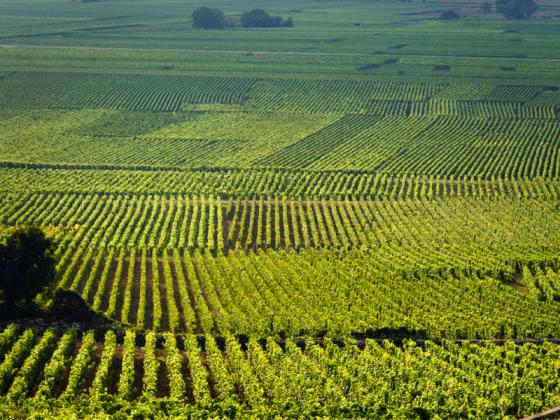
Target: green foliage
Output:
[(15, 358), (347, 178), (57, 366), (258, 18), (80, 368), (26, 265), (207, 18), (100, 383), (127, 371), (343, 379), (32, 366), (151, 366), (516, 9), (196, 280), (7, 337), (199, 374), (174, 363)]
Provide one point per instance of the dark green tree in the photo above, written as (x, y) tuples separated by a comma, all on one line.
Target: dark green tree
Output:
[(516, 9), (258, 18), (27, 266), (207, 18)]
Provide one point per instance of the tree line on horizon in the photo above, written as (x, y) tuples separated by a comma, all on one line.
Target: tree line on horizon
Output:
[(213, 18), (510, 9)]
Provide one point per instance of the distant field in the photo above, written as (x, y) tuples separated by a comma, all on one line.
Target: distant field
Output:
[(408, 28), (317, 140), (372, 172)]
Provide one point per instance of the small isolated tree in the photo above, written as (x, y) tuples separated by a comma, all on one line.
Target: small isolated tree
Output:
[(516, 9), (207, 18), (448, 15), (27, 266)]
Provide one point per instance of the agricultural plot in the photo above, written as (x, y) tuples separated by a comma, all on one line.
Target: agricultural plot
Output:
[(133, 92), (251, 208), (226, 377), (169, 221), (194, 264), (398, 145), (253, 184), (309, 293)]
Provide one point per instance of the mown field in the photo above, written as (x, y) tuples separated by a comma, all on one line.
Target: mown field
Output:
[(259, 209)]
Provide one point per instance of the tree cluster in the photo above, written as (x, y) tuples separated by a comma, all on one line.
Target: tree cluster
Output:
[(258, 18), (27, 266), (207, 18), (511, 9), (211, 18), (516, 9)]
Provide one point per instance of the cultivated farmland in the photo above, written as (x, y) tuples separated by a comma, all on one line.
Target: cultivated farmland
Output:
[(354, 217)]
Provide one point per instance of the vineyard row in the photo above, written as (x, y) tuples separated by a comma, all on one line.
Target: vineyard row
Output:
[(263, 183)]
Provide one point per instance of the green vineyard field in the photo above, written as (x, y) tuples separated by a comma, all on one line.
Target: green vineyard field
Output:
[(194, 264), (353, 217), (418, 144), (343, 378), (253, 184)]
